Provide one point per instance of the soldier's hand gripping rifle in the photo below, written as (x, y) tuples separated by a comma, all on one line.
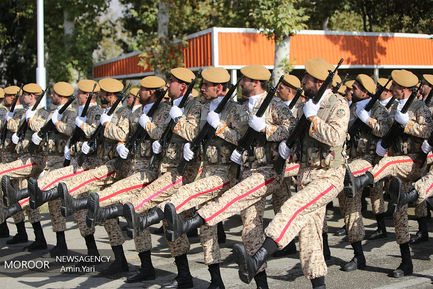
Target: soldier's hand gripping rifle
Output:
[(4, 130), (251, 135), (168, 132), (100, 129), (303, 122), (78, 133), (396, 129), (49, 125), (207, 132), (358, 124), (24, 125)]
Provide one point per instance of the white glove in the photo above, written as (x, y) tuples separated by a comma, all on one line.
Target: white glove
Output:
[(9, 115), (30, 114), (67, 153), (257, 123), (85, 148), (363, 115), (188, 154), (311, 109), (236, 157), (56, 117), (401, 118), (380, 150), (144, 120), (213, 119), (15, 138), (284, 150), (79, 121), (156, 147), (425, 147), (122, 151), (175, 112), (105, 118), (36, 139)]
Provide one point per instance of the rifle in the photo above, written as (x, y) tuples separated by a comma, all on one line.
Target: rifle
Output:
[(337, 87), (295, 98), (168, 132), (207, 132), (49, 125), (396, 129), (303, 123), (23, 127), (133, 102), (78, 132), (357, 124), (4, 130), (100, 129), (390, 102), (251, 135)]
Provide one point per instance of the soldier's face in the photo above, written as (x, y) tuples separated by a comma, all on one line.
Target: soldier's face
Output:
[(9, 98), (285, 92), (105, 98), (397, 90), (82, 97), (56, 98), (311, 85), (385, 95), (175, 88), (247, 86), (28, 98), (130, 99), (425, 89), (349, 94), (358, 93), (144, 95), (209, 90)]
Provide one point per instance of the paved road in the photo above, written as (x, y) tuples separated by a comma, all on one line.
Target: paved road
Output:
[(382, 257)]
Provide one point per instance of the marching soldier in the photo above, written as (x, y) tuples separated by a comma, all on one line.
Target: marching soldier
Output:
[(400, 160), (258, 178), (319, 181)]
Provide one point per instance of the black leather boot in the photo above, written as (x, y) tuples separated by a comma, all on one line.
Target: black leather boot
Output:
[(4, 230), (6, 212), (92, 250), (21, 236), (381, 228), (221, 234), (398, 197), (183, 278), (353, 185), (39, 197), (69, 204), (358, 261), (326, 250), (176, 226), (406, 267), (318, 283), (138, 223), (249, 265), (341, 232), (261, 280), (119, 265), (97, 215), (422, 234), (146, 272), (290, 249), (40, 243), (60, 249), (12, 195), (216, 282)]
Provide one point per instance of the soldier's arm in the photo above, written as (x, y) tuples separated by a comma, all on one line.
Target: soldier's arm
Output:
[(38, 121), (66, 125), (14, 123), (279, 121), (118, 130), (159, 121), (188, 125), (421, 125), (380, 121), (332, 132), (92, 122), (229, 128)]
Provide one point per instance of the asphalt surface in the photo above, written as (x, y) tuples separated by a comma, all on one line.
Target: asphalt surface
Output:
[(382, 257)]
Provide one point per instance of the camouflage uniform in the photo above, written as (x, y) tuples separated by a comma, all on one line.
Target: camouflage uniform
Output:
[(362, 149), (319, 181), (258, 177)]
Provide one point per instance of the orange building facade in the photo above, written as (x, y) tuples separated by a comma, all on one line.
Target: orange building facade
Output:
[(233, 48)]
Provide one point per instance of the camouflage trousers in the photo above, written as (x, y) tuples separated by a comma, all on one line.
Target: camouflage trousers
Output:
[(212, 182), (280, 196), (248, 198), (28, 165), (304, 214)]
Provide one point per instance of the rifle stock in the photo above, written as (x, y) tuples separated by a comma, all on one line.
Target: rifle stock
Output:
[(303, 122)]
